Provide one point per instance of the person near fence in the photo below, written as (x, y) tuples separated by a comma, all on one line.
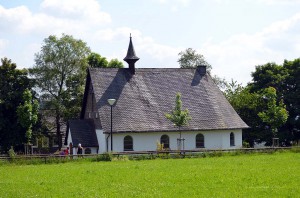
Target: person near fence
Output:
[(79, 149), (66, 151)]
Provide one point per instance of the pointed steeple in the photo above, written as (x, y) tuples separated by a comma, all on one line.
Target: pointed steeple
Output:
[(131, 58)]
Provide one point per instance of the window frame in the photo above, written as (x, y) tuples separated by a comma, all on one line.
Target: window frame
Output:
[(232, 139), (198, 142), (165, 141), (128, 144)]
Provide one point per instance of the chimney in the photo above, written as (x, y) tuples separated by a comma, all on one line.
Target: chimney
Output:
[(131, 58), (201, 69)]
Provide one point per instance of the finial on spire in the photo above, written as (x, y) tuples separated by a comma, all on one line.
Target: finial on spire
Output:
[(131, 58)]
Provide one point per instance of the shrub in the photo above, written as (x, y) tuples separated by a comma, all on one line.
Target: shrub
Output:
[(246, 144), (295, 149), (104, 157)]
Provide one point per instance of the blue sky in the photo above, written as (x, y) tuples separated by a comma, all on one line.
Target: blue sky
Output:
[(233, 35)]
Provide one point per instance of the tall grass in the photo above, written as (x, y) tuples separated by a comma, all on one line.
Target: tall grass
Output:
[(256, 175)]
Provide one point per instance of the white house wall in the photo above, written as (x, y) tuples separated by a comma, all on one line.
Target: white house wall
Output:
[(218, 139), (101, 140)]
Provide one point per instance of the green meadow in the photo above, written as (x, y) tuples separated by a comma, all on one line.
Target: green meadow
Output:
[(246, 175)]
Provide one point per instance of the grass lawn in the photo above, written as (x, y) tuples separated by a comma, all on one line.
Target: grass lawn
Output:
[(253, 175)]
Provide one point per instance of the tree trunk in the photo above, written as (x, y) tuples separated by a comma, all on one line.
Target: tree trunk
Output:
[(58, 132)]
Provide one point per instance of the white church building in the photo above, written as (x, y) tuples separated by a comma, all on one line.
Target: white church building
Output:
[(134, 120)]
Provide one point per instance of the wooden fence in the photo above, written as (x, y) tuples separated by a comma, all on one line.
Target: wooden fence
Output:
[(44, 158)]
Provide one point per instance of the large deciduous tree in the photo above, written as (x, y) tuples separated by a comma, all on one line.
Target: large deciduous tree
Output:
[(115, 63), (13, 82), (60, 71), (189, 58), (286, 80), (97, 61), (292, 97), (269, 75), (247, 105)]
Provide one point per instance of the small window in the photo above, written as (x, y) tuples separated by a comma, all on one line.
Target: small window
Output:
[(87, 151), (128, 143), (164, 139), (232, 139), (199, 140)]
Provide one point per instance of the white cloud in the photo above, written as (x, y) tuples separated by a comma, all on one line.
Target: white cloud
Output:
[(55, 17), (88, 10), (175, 5), (237, 56), (145, 45), (3, 44), (280, 2)]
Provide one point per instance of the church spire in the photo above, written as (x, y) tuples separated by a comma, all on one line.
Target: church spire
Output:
[(131, 58)]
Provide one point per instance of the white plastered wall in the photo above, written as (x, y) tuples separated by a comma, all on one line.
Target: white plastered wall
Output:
[(216, 139)]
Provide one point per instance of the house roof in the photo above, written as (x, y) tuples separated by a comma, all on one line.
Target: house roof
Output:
[(144, 98), (83, 131)]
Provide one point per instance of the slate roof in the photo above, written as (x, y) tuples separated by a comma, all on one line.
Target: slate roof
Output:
[(83, 131), (144, 98)]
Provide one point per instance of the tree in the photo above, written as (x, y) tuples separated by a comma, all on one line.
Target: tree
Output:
[(247, 105), (191, 59), (60, 71), (28, 113), (13, 82), (292, 97), (178, 116), (28, 116), (285, 79), (269, 75), (276, 114), (95, 60), (115, 63)]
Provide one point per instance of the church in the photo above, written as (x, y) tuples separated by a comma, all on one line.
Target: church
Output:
[(124, 110)]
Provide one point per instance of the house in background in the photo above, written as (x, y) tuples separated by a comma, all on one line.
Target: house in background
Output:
[(142, 97)]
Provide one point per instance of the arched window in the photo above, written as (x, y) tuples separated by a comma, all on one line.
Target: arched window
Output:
[(128, 143), (199, 140), (232, 139), (164, 139)]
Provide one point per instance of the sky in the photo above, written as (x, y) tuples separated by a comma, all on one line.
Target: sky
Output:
[(234, 36)]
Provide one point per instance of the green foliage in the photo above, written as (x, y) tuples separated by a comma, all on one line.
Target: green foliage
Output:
[(28, 113), (12, 153), (95, 60), (285, 79), (159, 146), (295, 149), (13, 82), (115, 63), (291, 97), (276, 114), (268, 75), (241, 176), (246, 144), (190, 59), (60, 71), (178, 116), (104, 157)]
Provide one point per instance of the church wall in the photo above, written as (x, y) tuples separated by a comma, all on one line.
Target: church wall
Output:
[(217, 139)]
